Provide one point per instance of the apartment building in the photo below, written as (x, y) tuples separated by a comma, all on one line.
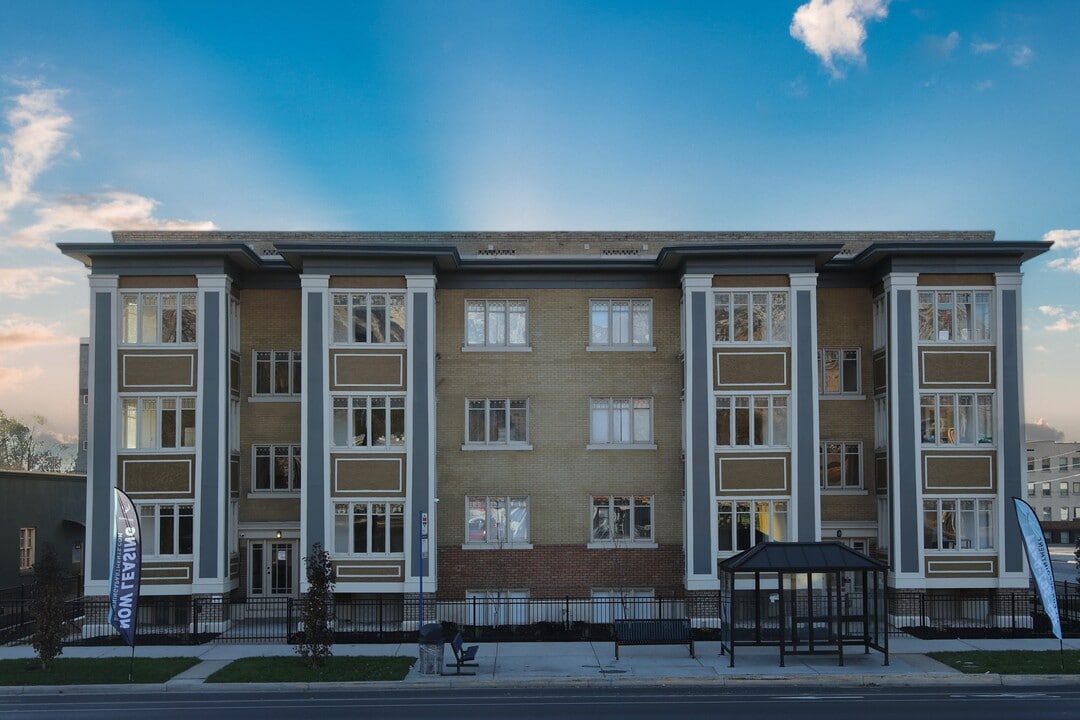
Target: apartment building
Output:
[(562, 413), (1053, 488)]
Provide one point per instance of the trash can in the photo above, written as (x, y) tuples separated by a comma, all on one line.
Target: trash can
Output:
[(432, 648)]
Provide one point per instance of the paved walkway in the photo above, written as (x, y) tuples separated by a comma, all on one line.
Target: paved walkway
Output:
[(516, 664)]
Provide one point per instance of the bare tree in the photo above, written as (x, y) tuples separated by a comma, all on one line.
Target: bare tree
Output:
[(26, 446)]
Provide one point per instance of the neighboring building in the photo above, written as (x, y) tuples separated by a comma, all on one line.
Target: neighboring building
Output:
[(1053, 488), (602, 414), (40, 509)]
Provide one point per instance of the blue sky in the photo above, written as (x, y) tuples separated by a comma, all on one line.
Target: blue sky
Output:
[(519, 115)]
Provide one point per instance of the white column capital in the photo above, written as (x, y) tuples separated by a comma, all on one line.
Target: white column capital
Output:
[(214, 282), (1011, 281), (314, 282), (420, 282), (897, 281), (803, 280), (104, 282), (697, 282)]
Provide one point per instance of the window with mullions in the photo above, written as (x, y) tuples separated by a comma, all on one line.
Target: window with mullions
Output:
[(841, 466), (838, 371), (621, 421), (751, 317), (622, 518), (497, 421), (152, 423), (496, 519), (277, 372), (752, 421), (369, 422), (167, 530), (881, 322), (957, 419), (27, 548), (366, 317), (158, 318), (955, 315), (958, 524), (742, 524), (620, 323), (369, 528), (276, 468), (496, 323)]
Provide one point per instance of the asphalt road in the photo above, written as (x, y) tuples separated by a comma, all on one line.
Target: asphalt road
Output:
[(1064, 562), (690, 702)]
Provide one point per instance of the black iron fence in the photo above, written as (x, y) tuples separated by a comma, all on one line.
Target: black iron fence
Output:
[(396, 619)]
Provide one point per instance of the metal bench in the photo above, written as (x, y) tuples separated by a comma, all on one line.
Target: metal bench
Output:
[(463, 656), (653, 632)]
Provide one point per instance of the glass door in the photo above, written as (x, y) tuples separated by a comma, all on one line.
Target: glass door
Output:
[(272, 567)]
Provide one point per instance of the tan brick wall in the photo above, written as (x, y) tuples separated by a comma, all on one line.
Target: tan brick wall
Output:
[(943, 280), (558, 377)]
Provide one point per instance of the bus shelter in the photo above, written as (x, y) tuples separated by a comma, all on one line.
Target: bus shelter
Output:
[(808, 598)]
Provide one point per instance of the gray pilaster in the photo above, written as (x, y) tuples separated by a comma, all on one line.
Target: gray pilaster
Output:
[(420, 480), (100, 480), (905, 448), (314, 418), (806, 492), (213, 390), (1011, 445)]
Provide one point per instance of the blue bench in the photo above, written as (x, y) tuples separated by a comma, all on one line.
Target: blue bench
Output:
[(463, 656), (673, 631)]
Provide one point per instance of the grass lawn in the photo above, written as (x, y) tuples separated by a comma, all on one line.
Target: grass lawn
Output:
[(1012, 662), (294, 669), (92, 671)]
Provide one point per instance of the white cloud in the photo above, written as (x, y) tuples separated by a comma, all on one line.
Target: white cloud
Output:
[(1039, 348), (27, 282), (836, 29), (111, 210), (984, 85), (1066, 320), (15, 379), (942, 47), (37, 136), (18, 332), (1069, 241), (1021, 55), (981, 48)]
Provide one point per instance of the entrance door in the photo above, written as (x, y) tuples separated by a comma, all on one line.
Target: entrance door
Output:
[(272, 566)]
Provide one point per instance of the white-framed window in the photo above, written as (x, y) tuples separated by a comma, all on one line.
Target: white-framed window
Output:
[(1047, 513), (276, 372), (234, 425), (743, 523), (494, 520), (1031, 489), (1045, 463), (841, 465), (1076, 513), (234, 324), (362, 421), (1063, 513), (497, 607), (275, 468), (838, 371), (881, 322), (1063, 488), (623, 323), (154, 423), (752, 421), (1076, 488), (611, 604), (759, 316), (369, 528), (955, 315), (1030, 464), (1076, 463), (167, 529), (881, 422), (621, 421), (1063, 464), (497, 324), (957, 418), (958, 524), (617, 519), (27, 549), (1046, 490), (497, 421), (376, 318), (158, 318)]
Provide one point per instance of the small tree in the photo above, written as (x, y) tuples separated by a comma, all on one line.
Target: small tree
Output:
[(47, 607), (317, 639)]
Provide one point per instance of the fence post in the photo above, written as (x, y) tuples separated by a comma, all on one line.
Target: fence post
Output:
[(288, 617)]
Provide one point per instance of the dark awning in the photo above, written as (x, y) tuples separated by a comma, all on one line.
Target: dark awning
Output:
[(800, 557)]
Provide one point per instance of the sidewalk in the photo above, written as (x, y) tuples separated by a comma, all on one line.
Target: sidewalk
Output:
[(583, 664)]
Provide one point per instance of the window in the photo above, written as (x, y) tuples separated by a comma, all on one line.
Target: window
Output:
[(369, 528), (1046, 489), (1063, 464), (1045, 464), (957, 419), (881, 322), (620, 323), (881, 422), (167, 529), (1063, 513), (276, 372), (366, 317), (27, 549), (497, 421), (755, 317), (1046, 513), (496, 520), (1076, 513), (955, 316), (276, 468), (841, 465), (498, 607), (610, 604), (1031, 489), (496, 323), (1063, 488), (1076, 463), (621, 518), (621, 422), (838, 371), (369, 422), (958, 524), (1076, 488), (1031, 464), (150, 423), (883, 523), (153, 318), (743, 524), (752, 421)]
